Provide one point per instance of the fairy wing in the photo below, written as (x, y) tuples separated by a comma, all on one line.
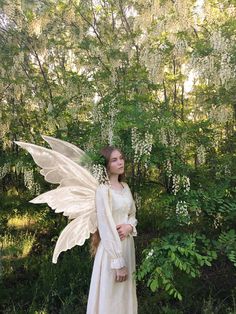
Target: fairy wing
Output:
[(59, 169), (65, 148), (75, 195), (75, 233)]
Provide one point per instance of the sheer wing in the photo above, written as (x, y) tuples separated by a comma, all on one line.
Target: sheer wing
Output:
[(67, 149), (59, 169), (75, 233), (75, 195), (72, 201)]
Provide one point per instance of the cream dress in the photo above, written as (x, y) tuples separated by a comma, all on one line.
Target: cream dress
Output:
[(106, 296)]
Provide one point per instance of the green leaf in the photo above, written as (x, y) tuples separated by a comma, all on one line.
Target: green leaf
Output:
[(207, 263), (154, 285), (179, 296)]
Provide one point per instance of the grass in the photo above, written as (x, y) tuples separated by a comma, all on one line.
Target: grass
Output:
[(21, 222), (16, 246), (32, 284)]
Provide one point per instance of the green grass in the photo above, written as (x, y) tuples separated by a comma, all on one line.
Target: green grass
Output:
[(30, 283)]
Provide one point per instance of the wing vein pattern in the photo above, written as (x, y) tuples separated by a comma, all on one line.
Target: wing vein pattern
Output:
[(75, 195)]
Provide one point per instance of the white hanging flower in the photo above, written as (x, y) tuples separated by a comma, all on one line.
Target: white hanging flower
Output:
[(218, 220), (19, 168), (217, 66), (37, 188), (221, 114), (180, 182), (186, 183), (100, 174), (201, 154), (141, 146), (182, 208), (138, 200), (29, 179), (150, 253), (168, 168), (163, 137), (182, 212), (107, 120), (176, 183), (4, 170), (174, 140)]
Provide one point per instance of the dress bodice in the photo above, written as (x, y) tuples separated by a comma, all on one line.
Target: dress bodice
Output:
[(121, 204)]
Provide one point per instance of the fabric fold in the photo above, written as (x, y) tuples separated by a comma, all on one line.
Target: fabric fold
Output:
[(107, 228)]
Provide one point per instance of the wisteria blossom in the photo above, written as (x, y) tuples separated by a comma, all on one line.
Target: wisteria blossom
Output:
[(142, 146)]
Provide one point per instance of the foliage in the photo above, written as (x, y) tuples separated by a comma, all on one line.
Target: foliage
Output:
[(227, 245), (176, 254), (157, 79)]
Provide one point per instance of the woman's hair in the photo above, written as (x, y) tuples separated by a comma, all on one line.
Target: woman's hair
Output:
[(106, 154)]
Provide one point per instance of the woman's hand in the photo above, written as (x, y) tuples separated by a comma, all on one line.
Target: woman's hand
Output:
[(124, 230), (121, 274)]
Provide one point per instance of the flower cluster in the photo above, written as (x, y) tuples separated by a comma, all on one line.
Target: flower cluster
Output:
[(180, 47), (181, 208), (35, 27), (29, 179), (154, 64), (218, 220), (182, 212), (223, 171), (168, 168), (174, 140), (218, 65), (163, 137), (97, 109), (150, 254), (176, 183), (168, 137), (201, 155), (138, 200), (37, 188), (112, 114), (221, 114), (186, 184), (100, 174), (180, 182), (141, 146), (106, 119), (4, 170)]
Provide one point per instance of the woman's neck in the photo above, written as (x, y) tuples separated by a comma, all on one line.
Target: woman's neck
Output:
[(115, 183), (114, 179)]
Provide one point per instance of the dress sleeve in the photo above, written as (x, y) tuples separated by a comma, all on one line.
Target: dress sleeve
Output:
[(107, 228), (132, 216), (132, 219)]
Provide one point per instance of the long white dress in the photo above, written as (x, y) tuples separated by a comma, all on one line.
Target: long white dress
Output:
[(106, 296)]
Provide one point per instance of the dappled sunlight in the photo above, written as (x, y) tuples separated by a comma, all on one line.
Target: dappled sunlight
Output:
[(19, 246), (21, 222), (27, 245)]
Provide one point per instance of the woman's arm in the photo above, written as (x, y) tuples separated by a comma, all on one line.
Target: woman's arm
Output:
[(128, 228), (132, 219), (107, 228)]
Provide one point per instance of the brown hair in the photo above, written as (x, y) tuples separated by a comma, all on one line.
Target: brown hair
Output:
[(106, 153)]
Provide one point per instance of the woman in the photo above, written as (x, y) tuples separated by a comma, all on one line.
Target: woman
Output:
[(113, 287)]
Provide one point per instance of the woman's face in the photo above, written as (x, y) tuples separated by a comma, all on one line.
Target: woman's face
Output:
[(116, 163)]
